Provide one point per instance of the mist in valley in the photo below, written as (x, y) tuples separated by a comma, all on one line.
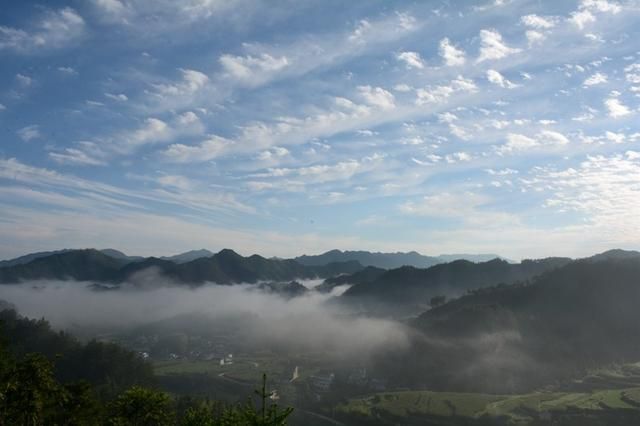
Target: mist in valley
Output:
[(257, 318)]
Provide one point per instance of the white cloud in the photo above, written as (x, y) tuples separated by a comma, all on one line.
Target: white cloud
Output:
[(155, 16), (377, 96), (632, 73), (503, 172), (581, 18), (121, 97), (447, 117), (114, 10), (56, 29), (601, 6), (616, 108), (457, 156), (585, 13), (534, 37), (450, 53), (29, 133), (539, 22), (411, 59), (2, 107), (440, 94), (459, 132), (549, 137), (205, 151), (498, 79), (615, 137), (602, 188), (492, 47), (153, 130), (402, 87), (24, 80), (68, 70), (75, 156), (191, 82), (597, 78), (251, 69), (175, 181), (273, 153), (518, 143), (99, 198), (322, 173)]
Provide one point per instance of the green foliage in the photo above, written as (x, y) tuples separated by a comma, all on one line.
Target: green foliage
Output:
[(30, 395), (108, 367), (247, 414), (141, 407), (34, 391)]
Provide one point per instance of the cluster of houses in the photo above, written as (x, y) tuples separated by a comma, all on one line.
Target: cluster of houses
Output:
[(322, 382), (188, 348)]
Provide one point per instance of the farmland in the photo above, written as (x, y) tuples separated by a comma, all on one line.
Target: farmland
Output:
[(503, 409)]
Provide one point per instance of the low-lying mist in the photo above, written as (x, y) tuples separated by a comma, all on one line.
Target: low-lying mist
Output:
[(303, 323)]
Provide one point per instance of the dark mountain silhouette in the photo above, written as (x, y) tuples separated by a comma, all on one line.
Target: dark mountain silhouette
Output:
[(81, 265), (444, 258), (368, 274), (388, 260), (517, 337), (225, 267), (188, 256), (288, 290), (615, 254), (413, 287), (29, 257), (117, 254)]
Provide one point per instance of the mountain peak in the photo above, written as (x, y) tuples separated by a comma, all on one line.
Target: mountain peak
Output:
[(227, 253)]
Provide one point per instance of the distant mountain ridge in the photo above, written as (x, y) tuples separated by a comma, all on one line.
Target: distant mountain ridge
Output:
[(224, 267), (21, 260), (116, 254), (412, 288), (390, 260), (559, 325), (188, 256)]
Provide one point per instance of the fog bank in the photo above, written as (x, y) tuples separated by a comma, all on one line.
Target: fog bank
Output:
[(303, 323)]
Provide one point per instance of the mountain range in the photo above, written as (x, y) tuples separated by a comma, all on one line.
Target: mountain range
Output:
[(411, 289), (224, 267), (406, 290), (508, 338), (389, 260)]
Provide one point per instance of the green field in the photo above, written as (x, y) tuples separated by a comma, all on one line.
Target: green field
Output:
[(515, 409), (244, 369)]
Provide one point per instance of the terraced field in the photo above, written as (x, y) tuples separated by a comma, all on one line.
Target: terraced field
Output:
[(512, 409)]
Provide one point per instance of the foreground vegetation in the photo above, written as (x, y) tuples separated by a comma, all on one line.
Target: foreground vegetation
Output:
[(35, 389)]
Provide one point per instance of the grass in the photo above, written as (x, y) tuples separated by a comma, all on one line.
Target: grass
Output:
[(244, 369), (472, 405)]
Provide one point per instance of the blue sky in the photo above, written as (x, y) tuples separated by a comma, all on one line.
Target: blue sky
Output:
[(289, 127)]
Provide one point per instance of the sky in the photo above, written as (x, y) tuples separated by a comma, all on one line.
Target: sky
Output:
[(286, 127)]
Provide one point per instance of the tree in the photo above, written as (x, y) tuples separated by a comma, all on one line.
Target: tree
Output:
[(142, 407), (270, 415), (30, 393)]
